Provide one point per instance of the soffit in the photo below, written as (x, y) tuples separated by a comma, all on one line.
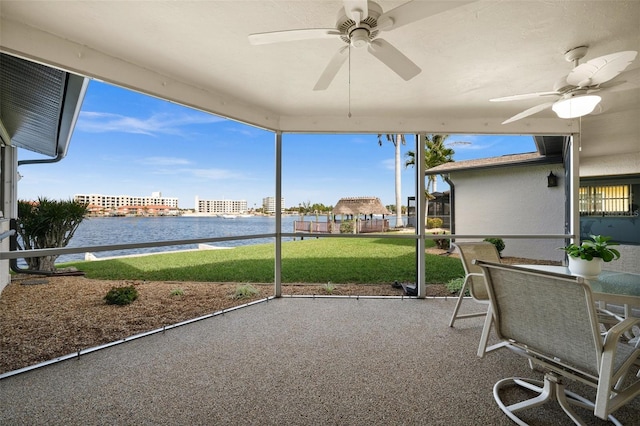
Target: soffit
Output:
[(38, 105)]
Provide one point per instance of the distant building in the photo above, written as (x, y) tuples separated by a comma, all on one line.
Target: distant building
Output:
[(147, 211), (269, 204), (108, 204), (220, 206)]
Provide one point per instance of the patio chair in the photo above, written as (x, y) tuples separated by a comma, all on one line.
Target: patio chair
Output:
[(474, 281), (552, 320)]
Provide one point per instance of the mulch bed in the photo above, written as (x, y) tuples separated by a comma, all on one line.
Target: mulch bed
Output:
[(42, 318)]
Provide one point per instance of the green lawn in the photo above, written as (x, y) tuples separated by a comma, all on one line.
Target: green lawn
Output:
[(341, 261)]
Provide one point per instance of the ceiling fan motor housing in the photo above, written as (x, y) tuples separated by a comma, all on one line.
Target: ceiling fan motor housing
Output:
[(359, 35)]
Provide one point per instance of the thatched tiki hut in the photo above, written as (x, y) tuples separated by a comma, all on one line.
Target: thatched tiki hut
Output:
[(355, 207)]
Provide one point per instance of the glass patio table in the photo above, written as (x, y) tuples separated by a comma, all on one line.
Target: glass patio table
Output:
[(610, 286)]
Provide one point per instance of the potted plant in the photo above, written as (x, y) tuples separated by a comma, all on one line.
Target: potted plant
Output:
[(586, 259)]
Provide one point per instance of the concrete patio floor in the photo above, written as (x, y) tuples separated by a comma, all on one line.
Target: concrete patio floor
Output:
[(288, 361)]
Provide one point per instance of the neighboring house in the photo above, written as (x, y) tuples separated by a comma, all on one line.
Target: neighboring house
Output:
[(484, 192)]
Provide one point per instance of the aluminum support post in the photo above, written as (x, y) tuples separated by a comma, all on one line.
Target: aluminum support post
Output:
[(278, 241), (574, 188), (420, 215)]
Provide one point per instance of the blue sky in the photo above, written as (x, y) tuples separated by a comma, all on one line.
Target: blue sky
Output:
[(126, 143)]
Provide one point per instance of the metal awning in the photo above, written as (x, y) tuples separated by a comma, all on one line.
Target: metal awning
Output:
[(39, 105)]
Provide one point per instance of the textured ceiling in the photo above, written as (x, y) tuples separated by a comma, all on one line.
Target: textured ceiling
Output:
[(197, 53)]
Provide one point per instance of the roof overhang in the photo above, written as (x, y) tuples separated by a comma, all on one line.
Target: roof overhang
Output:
[(528, 159), (197, 53), (39, 105)]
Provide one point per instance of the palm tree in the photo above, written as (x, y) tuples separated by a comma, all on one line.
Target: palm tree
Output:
[(435, 153), (396, 140)]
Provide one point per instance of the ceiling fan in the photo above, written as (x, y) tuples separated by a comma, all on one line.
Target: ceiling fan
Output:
[(359, 23), (573, 93)]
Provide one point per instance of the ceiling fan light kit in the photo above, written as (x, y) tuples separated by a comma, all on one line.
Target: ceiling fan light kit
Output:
[(573, 93), (576, 106)]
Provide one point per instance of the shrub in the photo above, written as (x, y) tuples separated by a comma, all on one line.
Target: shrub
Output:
[(496, 242), (442, 243), (455, 285), (434, 222), (346, 227), (121, 295), (246, 291)]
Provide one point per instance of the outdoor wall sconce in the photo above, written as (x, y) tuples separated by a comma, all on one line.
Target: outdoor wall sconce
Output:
[(552, 180)]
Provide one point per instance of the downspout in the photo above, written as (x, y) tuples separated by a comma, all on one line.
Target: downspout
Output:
[(13, 246), (452, 210), (55, 159), (13, 241)]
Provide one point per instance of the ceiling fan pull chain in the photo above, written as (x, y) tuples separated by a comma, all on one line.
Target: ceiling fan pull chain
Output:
[(579, 134), (349, 115)]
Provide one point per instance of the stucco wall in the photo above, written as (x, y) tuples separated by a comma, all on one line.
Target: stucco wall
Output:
[(512, 200)]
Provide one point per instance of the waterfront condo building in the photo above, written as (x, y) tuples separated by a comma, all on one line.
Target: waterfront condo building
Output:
[(220, 206), (269, 204), (113, 202)]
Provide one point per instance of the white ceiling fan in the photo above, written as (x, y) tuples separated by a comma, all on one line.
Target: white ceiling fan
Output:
[(573, 94), (359, 24)]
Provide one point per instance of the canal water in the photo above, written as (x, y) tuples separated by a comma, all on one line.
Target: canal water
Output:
[(95, 231)]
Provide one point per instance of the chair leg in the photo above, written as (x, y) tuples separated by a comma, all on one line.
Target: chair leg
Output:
[(551, 388), (484, 338), (459, 302)]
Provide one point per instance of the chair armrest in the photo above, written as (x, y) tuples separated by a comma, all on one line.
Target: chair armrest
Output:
[(613, 334), (604, 403)]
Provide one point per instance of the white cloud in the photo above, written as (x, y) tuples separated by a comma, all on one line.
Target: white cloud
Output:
[(168, 124), (214, 174), (164, 161), (389, 164), (203, 174)]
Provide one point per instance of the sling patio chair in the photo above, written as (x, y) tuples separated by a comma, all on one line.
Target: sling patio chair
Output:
[(474, 281), (552, 320)]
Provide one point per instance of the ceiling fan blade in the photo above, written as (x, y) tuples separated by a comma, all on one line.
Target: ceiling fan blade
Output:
[(529, 112), (627, 80), (358, 10), (394, 59), (414, 11), (524, 96), (601, 70), (332, 68), (292, 35)]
